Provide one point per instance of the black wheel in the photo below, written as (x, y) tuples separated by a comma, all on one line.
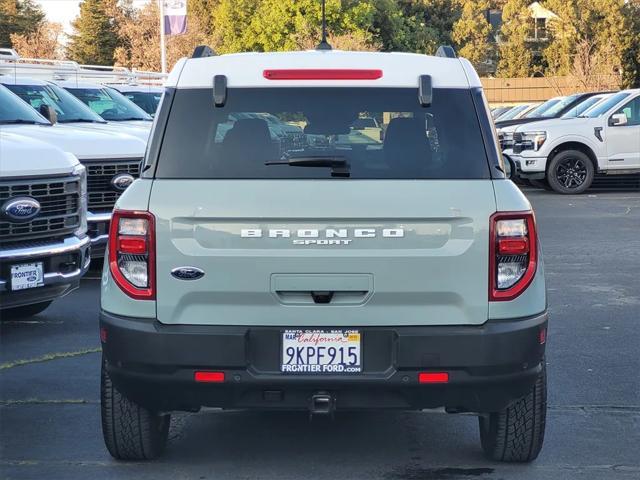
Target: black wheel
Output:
[(570, 171), (130, 431), (25, 311), (516, 433)]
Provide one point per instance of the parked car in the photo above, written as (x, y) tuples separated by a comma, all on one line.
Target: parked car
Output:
[(496, 112), (569, 152), (68, 109), (585, 105), (402, 273), (112, 159), (552, 108), (108, 103), (44, 248), (147, 97), (517, 111)]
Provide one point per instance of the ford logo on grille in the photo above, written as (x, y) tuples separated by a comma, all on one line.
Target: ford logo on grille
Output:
[(121, 181), (187, 273), (20, 209)]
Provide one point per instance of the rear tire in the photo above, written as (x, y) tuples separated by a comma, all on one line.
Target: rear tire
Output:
[(570, 172), (516, 433), (130, 431), (25, 311)]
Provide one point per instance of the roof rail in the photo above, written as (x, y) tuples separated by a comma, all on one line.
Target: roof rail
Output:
[(56, 70), (202, 51), (446, 51)]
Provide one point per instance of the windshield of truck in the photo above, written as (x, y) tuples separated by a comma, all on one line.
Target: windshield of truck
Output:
[(273, 132), (68, 108), (148, 101), (583, 106), (555, 109), (109, 104), (511, 114), (540, 110), (15, 111), (605, 105)]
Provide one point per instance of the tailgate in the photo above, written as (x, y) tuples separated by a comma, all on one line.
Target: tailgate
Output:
[(323, 253)]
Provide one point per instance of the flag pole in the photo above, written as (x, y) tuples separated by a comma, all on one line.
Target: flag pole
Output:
[(163, 54)]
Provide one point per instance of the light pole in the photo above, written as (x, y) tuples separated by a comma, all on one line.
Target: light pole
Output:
[(163, 55)]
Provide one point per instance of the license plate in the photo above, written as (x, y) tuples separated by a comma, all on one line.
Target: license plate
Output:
[(27, 275), (321, 351)]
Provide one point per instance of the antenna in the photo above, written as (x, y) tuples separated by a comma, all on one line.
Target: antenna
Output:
[(324, 45)]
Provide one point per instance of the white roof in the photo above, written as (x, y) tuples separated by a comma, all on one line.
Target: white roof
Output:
[(398, 69)]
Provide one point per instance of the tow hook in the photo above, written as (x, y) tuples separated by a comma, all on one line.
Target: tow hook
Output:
[(322, 403)]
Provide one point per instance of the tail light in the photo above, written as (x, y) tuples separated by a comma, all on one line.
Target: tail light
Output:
[(513, 254), (132, 253)]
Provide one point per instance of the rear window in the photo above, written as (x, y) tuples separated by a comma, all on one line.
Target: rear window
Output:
[(377, 133)]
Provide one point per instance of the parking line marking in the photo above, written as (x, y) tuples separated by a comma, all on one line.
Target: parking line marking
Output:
[(48, 357)]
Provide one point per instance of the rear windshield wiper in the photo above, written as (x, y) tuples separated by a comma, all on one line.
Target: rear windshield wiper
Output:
[(338, 164)]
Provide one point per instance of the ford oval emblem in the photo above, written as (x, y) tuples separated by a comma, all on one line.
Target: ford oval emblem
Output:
[(20, 209), (121, 181), (187, 273)]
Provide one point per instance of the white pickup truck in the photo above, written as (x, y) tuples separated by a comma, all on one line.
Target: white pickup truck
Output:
[(569, 152), (44, 248), (112, 159)]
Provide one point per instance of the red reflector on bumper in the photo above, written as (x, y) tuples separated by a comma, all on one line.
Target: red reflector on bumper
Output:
[(209, 377), (322, 74), (542, 336), (433, 377)]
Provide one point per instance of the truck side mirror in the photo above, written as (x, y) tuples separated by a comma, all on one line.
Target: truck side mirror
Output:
[(617, 120), (48, 112)]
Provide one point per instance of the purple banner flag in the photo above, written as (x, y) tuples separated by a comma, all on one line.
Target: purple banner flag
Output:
[(175, 17)]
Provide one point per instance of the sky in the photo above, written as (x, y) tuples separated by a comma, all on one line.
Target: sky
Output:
[(64, 11)]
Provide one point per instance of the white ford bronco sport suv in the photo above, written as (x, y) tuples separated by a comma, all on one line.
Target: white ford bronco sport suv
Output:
[(568, 152), (349, 271), (44, 248)]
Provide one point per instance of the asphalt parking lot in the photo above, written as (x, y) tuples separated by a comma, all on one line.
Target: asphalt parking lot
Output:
[(49, 387)]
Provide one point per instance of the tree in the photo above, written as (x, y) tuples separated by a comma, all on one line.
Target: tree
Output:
[(419, 26), (516, 57), (139, 35), (96, 33), (44, 42), (592, 35), (471, 32), (281, 25), (19, 17), (139, 38), (631, 58), (564, 34)]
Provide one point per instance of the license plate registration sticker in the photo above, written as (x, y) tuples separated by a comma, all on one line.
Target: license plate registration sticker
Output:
[(321, 351), (27, 275)]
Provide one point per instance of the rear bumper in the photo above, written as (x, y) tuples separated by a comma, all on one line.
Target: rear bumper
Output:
[(488, 366), (64, 263)]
